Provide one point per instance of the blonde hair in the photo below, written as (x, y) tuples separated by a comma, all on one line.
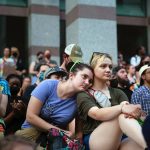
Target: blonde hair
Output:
[(98, 57)]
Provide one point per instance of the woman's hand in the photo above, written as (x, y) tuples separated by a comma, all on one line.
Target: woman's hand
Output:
[(68, 133), (124, 102), (19, 107), (131, 110)]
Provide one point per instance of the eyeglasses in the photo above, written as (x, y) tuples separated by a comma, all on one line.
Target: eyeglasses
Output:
[(76, 62), (99, 54), (146, 63)]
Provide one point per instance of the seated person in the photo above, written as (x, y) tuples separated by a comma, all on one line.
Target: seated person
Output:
[(4, 92), (13, 142), (16, 108), (53, 103), (106, 113)]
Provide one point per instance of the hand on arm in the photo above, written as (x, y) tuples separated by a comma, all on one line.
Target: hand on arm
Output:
[(19, 107), (132, 111)]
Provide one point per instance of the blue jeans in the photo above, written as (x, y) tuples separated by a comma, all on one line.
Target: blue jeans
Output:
[(86, 138)]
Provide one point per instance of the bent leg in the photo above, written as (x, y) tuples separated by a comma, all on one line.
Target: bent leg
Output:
[(132, 129), (29, 133), (129, 144), (106, 136)]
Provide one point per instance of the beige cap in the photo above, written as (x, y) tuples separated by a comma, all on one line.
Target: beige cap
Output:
[(74, 51), (142, 69)]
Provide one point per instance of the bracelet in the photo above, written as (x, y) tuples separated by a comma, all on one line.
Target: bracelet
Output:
[(122, 107)]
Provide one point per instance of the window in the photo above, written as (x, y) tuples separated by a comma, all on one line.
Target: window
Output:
[(19, 3), (131, 8)]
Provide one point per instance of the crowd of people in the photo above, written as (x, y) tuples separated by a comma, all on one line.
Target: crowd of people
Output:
[(107, 107)]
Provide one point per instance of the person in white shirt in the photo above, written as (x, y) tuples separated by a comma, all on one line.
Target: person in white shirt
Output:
[(136, 59)]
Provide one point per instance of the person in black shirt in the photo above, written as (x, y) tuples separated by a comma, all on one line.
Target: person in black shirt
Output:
[(27, 93), (122, 81), (16, 108)]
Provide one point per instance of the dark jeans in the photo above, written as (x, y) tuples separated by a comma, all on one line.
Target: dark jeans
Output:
[(146, 131), (86, 138)]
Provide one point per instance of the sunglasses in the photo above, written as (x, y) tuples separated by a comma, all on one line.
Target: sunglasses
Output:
[(99, 54), (146, 63), (73, 66)]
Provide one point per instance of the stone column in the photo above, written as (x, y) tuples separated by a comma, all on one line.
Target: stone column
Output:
[(92, 25), (43, 27)]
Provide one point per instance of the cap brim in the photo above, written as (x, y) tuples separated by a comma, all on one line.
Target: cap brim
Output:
[(63, 73), (141, 72), (74, 59)]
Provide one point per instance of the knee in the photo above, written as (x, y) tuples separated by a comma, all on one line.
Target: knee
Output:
[(121, 117)]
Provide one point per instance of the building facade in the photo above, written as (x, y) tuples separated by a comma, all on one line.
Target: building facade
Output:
[(96, 25)]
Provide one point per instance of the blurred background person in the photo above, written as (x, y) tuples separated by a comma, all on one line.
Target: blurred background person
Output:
[(121, 61), (34, 65), (47, 58), (16, 108), (55, 73), (72, 53), (14, 142), (4, 92), (120, 75), (131, 73), (15, 55), (7, 65), (142, 94), (145, 60), (132, 76), (40, 78), (25, 84), (140, 53)]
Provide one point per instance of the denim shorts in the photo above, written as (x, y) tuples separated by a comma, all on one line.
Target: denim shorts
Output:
[(86, 138)]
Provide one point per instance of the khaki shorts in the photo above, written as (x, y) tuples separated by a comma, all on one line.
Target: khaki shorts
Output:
[(29, 133)]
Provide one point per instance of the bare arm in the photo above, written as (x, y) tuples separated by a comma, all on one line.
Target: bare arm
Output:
[(9, 117), (33, 111), (3, 104), (18, 108), (108, 113), (78, 128), (31, 68), (72, 126), (105, 114)]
